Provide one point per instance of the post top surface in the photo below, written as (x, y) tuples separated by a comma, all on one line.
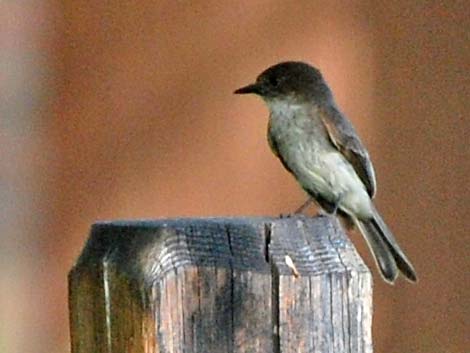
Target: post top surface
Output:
[(151, 248), (159, 222)]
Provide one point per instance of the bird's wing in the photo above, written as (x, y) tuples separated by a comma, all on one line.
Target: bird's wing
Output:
[(344, 138)]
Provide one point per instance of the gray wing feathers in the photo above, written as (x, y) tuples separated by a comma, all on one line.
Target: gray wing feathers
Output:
[(344, 138)]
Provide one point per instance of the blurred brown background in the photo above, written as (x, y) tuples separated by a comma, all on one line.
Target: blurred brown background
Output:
[(124, 109)]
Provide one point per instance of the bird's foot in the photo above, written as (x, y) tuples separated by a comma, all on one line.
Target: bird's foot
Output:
[(288, 215), (298, 211)]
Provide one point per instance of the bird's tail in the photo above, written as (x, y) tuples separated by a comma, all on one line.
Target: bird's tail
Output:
[(387, 253)]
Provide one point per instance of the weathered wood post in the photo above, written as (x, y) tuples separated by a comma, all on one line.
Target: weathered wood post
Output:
[(220, 286)]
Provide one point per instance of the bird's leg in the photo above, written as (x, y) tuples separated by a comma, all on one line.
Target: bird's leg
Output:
[(304, 205), (300, 209)]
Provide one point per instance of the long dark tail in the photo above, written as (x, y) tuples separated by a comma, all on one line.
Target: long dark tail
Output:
[(389, 257)]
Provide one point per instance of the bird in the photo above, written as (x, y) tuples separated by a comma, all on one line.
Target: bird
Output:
[(318, 145)]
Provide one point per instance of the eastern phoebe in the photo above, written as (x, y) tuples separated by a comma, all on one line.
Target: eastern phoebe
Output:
[(319, 146)]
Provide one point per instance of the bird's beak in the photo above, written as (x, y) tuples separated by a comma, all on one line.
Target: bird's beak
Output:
[(253, 88)]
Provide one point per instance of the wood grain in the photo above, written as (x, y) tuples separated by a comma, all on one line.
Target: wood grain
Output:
[(220, 285)]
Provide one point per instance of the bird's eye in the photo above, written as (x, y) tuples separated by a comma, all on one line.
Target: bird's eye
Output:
[(273, 81)]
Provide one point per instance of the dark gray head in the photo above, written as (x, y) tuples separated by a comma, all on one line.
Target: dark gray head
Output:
[(291, 79)]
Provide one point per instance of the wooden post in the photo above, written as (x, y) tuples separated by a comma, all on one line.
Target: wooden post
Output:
[(220, 286)]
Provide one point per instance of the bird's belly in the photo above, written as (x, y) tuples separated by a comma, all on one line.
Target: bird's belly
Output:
[(321, 169)]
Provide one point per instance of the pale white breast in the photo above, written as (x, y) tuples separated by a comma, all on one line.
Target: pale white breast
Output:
[(304, 145)]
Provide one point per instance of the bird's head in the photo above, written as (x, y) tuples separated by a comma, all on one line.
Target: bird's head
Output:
[(293, 80)]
